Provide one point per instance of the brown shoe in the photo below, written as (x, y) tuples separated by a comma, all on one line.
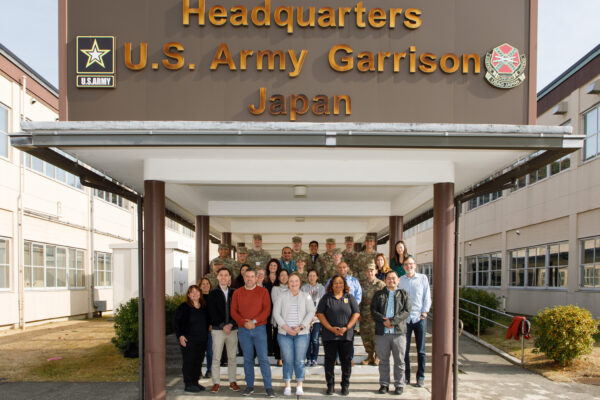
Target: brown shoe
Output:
[(234, 386), (366, 361), (279, 363), (376, 361), (352, 363), (215, 388)]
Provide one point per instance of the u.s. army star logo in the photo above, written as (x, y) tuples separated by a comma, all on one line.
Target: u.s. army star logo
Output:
[(95, 61)]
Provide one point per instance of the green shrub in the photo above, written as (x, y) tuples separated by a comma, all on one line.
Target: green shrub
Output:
[(126, 320), (564, 333), (481, 297)]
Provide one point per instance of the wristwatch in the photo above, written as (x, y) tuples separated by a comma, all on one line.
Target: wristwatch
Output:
[(254, 321)]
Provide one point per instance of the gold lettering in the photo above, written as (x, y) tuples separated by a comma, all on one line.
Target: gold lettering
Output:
[(326, 18), (394, 12), (397, 58), (342, 11), (289, 18), (266, 11), (277, 105), (239, 16), (412, 18), (412, 59), (270, 59), (244, 54), (320, 105), (377, 18), (187, 11), (294, 105), (381, 56), (222, 56), (297, 63), (465, 63), (347, 61), (360, 10), (174, 55), (444, 63), (143, 56), (311, 17), (217, 15), (366, 62), (427, 63), (336, 104), (262, 94)]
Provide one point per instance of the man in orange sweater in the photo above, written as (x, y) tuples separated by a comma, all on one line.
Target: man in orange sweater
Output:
[(250, 308)]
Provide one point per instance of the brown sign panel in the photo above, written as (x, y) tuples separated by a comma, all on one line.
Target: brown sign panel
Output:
[(455, 61)]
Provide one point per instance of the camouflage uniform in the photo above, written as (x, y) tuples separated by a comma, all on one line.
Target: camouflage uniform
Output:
[(326, 267), (303, 276), (350, 258), (301, 255), (360, 266), (367, 325), (228, 262), (212, 278), (261, 256)]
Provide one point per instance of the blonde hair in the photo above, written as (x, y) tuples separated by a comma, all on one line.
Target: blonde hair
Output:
[(386, 266)]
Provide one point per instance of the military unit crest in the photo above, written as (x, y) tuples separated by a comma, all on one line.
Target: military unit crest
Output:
[(505, 67)]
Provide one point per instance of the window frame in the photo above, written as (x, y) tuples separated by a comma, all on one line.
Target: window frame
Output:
[(595, 263), (491, 259), (46, 269), (530, 272), (5, 132), (6, 265), (595, 108), (104, 271)]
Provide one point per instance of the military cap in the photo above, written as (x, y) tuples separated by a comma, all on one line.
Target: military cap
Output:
[(371, 265), (330, 241), (297, 239), (257, 236), (370, 237), (218, 262), (349, 238), (223, 246), (242, 250), (337, 251)]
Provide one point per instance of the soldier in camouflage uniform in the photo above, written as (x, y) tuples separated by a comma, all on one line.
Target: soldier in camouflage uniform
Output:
[(302, 271), (364, 259), (297, 252), (242, 258), (216, 265), (367, 325), (349, 255), (257, 257), (227, 261), (327, 264)]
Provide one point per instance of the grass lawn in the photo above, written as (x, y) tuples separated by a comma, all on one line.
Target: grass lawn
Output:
[(82, 351)]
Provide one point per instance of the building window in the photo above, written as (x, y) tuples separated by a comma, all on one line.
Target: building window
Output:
[(409, 232), (51, 171), (590, 263), (4, 265), (590, 129), (102, 269), (425, 225), (540, 266), (179, 228), (484, 270), (427, 270), (49, 266), (110, 197), (3, 132)]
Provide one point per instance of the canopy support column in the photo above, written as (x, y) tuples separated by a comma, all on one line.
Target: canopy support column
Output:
[(396, 231), (202, 239)]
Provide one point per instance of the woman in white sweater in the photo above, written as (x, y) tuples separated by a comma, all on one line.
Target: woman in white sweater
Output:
[(293, 312)]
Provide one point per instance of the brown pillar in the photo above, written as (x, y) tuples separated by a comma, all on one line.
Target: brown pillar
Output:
[(202, 239), (396, 231), (443, 290), (241, 244), (226, 239), (154, 290)]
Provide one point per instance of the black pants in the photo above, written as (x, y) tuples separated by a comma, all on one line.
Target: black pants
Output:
[(192, 353), (272, 344), (333, 349)]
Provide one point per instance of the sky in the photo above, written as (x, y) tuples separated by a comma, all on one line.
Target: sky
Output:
[(568, 29)]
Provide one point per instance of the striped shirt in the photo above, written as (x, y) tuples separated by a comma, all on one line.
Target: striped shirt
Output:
[(292, 315)]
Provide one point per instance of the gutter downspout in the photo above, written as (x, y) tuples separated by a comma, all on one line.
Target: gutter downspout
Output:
[(457, 207), (20, 242), (92, 305), (140, 240)]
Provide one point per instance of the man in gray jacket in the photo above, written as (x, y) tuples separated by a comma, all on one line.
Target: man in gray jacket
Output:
[(389, 308)]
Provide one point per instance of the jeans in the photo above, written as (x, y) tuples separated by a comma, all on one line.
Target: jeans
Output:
[(343, 349), (293, 351), (313, 346), (419, 328), (251, 339), (209, 352)]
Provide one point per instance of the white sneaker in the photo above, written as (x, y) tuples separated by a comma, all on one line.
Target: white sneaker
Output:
[(287, 391), (299, 391)]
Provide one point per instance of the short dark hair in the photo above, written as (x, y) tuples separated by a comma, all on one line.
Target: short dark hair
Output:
[(390, 272), (330, 285), (313, 270), (224, 269), (250, 269), (313, 241)]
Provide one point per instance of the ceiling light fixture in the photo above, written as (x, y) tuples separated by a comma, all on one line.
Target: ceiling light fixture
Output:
[(300, 191)]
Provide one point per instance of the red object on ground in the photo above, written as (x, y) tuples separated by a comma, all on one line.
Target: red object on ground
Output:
[(514, 328)]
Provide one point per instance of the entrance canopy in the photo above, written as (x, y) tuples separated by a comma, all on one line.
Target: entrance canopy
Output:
[(243, 175)]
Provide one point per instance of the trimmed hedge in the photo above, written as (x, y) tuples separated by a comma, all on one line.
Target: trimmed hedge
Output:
[(565, 333), (481, 297), (126, 322)]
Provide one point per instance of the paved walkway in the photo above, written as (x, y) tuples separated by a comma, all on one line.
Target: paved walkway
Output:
[(484, 376)]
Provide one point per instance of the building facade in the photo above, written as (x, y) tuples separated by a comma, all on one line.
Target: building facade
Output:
[(538, 244)]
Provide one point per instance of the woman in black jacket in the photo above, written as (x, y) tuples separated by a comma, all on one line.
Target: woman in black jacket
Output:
[(191, 328)]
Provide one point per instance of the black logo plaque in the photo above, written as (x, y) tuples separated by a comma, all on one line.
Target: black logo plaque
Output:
[(95, 61)]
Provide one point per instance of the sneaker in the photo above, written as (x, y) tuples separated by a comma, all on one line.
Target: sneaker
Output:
[(248, 391), (287, 391), (313, 363), (299, 391), (234, 386), (383, 389), (398, 390), (270, 393), (420, 382)]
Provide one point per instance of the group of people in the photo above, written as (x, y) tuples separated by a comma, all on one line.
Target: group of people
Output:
[(281, 307)]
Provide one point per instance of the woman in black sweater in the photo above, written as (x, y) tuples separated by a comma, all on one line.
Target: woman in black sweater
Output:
[(191, 328)]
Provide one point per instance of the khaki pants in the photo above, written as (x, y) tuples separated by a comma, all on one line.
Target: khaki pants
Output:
[(231, 342)]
